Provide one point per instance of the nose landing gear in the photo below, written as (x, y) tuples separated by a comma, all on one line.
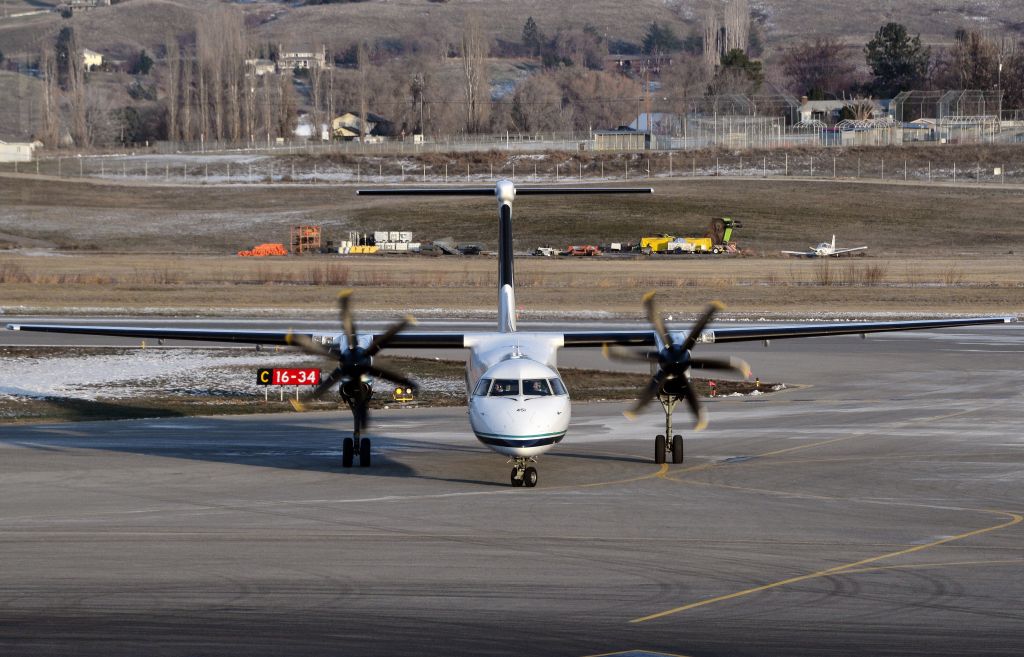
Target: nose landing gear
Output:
[(663, 444), (523, 475)]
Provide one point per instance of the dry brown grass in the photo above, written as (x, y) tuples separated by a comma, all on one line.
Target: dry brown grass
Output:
[(209, 285)]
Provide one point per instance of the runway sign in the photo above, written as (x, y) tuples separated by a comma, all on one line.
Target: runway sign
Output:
[(267, 376)]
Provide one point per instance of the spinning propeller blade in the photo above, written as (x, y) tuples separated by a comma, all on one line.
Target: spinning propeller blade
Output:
[(675, 361), (353, 363)]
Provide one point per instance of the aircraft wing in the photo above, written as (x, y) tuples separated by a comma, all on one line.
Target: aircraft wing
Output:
[(800, 253), (856, 248), (423, 340), (755, 333), (406, 340)]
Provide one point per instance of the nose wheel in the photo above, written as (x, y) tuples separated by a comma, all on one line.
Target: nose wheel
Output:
[(523, 475)]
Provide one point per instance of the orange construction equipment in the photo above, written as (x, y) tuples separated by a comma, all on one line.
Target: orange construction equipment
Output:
[(265, 250)]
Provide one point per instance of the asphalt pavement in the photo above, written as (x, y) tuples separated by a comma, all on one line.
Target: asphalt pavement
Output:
[(872, 507)]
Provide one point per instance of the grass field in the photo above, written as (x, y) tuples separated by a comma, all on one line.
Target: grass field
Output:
[(87, 245)]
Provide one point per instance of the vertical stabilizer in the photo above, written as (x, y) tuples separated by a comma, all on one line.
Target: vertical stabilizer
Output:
[(833, 242), (506, 274)]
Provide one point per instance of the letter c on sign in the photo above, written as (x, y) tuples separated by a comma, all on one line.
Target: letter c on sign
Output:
[(263, 377)]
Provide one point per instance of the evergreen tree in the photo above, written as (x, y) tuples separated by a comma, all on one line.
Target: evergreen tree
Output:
[(898, 61), (661, 39), (533, 38)]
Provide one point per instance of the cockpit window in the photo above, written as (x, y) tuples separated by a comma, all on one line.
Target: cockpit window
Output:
[(481, 387), (505, 388), (558, 386), (536, 388)]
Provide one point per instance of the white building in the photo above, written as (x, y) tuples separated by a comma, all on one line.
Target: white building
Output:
[(288, 60), (91, 58), (17, 152)]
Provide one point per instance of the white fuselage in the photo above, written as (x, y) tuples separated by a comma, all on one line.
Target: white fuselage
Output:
[(518, 405)]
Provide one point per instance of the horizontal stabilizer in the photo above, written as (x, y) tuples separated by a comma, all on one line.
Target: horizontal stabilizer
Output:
[(490, 191)]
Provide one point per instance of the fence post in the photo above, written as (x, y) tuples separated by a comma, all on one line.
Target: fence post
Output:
[(79, 167), (787, 164), (954, 170), (833, 167), (812, 166), (883, 168), (670, 165), (716, 168), (764, 166), (904, 170), (695, 167)]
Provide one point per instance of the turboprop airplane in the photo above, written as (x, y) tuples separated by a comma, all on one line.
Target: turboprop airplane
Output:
[(825, 249), (518, 404)]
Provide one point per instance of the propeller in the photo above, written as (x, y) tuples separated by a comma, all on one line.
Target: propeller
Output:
[(675, 361), (353, 362)]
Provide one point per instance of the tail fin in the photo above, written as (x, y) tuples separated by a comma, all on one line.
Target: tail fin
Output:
[(506, 272), (833, 241)]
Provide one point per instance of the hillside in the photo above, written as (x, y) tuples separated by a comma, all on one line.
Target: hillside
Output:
[(136, 24)]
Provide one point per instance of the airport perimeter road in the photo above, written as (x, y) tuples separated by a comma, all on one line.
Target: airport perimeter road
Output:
[(876, 511)]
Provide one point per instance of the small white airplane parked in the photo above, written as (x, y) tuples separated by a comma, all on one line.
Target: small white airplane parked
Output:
[(825, 249), (518, 403)]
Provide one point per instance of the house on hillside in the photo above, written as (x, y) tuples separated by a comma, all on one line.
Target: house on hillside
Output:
[(637, 64), (288, 60), (87, 4), (260, 67), (91, 59), (17, 152), (348, 126)]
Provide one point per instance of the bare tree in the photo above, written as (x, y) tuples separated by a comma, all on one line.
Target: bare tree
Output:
[(537, 105), (976, 61), (819, 68), (187, 97), (712, 47), (474, 72), (76, 93), (50, 100), (364, 89), (173, 86), (287, 108), (736, 26)]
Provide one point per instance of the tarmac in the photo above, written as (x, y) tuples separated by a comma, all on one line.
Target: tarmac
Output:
[(872, 507)]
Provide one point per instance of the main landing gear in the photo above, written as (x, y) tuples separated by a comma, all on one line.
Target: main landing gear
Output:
[(522, 474), (348, 451), (662, 444)]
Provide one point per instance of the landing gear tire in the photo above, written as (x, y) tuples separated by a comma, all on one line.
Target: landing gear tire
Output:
[(364, 453), (347, 448), (659, 449), (530, 477), (517, 481), (677, 449)]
